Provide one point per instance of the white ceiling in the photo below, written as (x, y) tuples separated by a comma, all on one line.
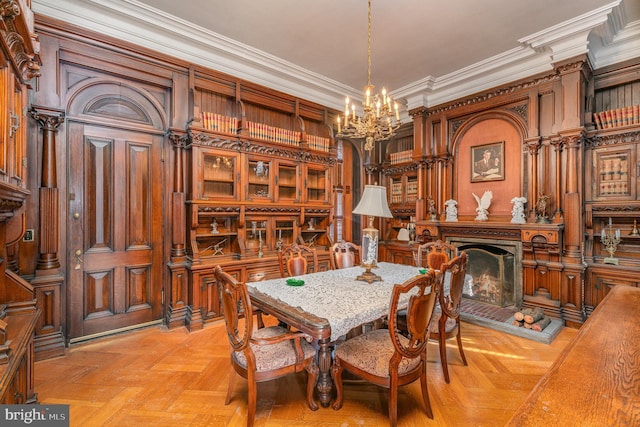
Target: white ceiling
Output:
[(425, 52)]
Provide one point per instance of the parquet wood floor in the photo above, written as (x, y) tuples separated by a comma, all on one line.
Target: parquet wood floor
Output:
[(156, 377)]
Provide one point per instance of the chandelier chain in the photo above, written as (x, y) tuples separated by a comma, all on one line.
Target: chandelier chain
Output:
[(380, 118), (369, 45)]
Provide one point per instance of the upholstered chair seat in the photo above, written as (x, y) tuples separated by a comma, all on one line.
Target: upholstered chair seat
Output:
[(274, 356), (372, 352)]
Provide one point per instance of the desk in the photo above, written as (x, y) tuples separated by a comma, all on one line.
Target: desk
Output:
[(595, 381), (329, 305)]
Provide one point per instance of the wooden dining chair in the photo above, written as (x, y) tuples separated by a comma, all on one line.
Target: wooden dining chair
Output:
[(433, 254), (445, 323), (385, 357), (261, 354), (296, 260), (344, 254)]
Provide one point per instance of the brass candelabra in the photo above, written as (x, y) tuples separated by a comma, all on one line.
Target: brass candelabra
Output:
[(610, 238)]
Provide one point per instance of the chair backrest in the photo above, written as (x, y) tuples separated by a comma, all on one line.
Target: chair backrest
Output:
[(295, 259), (235, 303), (451, 296), (344, 254), (434, 254), (422, 290)]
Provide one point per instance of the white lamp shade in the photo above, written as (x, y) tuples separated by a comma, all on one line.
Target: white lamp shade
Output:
[(374, 202)]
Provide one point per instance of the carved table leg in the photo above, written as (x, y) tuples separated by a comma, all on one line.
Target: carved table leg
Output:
[(325, 383)]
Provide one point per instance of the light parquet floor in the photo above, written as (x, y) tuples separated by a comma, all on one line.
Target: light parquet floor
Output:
[(156, 377)]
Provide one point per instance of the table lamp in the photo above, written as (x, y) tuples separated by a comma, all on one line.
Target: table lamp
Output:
[(373, 204)]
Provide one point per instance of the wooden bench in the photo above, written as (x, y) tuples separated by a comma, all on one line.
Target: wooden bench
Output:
[(596, 379)]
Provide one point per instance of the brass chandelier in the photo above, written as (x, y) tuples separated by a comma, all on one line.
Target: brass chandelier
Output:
[(380, 118)]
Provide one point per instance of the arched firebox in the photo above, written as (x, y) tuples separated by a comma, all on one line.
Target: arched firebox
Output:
[(494, 270)]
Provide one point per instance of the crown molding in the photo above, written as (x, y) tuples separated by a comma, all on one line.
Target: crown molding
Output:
[(601, 34)]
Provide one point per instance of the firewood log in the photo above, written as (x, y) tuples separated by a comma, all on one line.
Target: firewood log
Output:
[(535, 315), (518, 323), (519, 315), (541, 324), (527, 325)]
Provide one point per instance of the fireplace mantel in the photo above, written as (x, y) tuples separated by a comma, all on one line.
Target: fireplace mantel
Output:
[(489, 229)]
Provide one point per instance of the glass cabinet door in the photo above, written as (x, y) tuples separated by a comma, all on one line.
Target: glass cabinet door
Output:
[(259, 178), (317, 184), (219, 176), (287, 182)]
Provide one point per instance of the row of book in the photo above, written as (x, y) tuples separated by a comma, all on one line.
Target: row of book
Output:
[(273, 134), (400, 157), (618, 117), (319, 143), (611, 188), (614, 168), (396, 192), (226, 124), (219, 123)]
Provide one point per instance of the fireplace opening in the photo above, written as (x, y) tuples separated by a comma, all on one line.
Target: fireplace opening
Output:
[(493, 271)]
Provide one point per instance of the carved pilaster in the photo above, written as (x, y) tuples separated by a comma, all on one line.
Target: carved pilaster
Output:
[(179, 142), (558, 145), (533, 146), (49, 120)]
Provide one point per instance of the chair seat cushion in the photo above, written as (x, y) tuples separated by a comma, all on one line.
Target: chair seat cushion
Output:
[(371, 353), (449, 326), (274, 356)]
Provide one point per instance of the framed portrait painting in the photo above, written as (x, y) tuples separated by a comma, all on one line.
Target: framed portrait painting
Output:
[(487, 162)]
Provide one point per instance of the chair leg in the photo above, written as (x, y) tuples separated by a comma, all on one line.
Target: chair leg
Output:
[(425, 394), (312, 377), (442, 343), (251, 399), (336, 374), (459, 337), (393, 402), (232, 379)]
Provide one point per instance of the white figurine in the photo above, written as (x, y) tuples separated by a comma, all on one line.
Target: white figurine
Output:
[(451, 210), (483, 205), (517, 213)]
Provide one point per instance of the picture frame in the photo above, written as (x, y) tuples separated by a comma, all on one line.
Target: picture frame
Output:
[(487, 162)]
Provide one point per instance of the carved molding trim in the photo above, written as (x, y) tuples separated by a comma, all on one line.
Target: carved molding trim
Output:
[(489, 95), (599, 140), (218, 209), (237, 144), (274, 209), (481, 232), (393, 170)]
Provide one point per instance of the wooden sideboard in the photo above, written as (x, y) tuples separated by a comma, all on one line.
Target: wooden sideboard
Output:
[(595, 380)]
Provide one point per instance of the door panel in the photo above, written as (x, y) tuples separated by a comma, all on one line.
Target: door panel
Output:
[(115, 278)]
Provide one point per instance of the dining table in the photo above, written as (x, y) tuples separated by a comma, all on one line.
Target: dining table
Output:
[(327, 305)]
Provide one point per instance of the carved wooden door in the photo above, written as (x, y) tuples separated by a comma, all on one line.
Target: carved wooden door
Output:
[(115, 229)]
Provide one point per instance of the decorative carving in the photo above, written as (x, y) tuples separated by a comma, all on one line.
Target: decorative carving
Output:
[(205, 140), (25, 60), (523, 111), (455, 125), (48, 119), (400, 169), (493, 94), (612, 139)]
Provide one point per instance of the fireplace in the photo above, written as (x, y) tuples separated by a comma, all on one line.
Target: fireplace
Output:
[(494, 270)]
